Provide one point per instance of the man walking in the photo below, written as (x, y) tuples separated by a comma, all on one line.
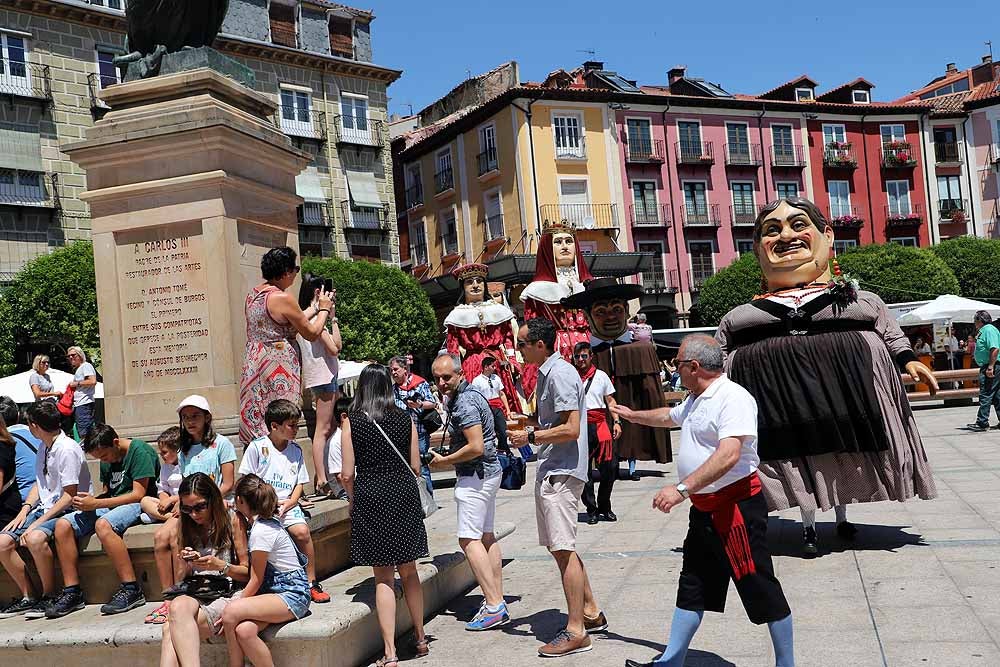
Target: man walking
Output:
[(562, 472), (473, 447), (987, 346), (489, 385), (727, 527), (413, 394), (598, 390)]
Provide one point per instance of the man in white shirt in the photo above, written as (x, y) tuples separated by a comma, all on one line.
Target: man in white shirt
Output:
[(489, 385), (727, 533), (598, 390)]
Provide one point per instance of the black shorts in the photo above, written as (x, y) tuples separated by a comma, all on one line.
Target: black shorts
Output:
[(706, 571)]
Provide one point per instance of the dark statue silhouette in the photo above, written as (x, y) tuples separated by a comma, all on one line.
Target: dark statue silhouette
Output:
[(159, 27)]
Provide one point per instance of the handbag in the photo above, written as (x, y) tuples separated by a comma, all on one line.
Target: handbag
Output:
[(427, 502), (515, 470), (203, 587), (430, 419), (65, 404)]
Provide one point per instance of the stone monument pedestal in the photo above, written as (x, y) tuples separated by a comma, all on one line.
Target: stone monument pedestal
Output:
[(189, 184)]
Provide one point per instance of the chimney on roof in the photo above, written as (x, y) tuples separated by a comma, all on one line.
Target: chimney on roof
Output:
[(987, 59), (950, 68), (676, 73), (592, 65)]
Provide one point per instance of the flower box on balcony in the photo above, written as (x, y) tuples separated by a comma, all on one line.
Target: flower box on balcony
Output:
[(839, 145), (898, 154), (903, 218), (847, 221), (957, 215)]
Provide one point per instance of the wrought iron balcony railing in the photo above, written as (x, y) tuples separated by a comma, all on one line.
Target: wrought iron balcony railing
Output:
[(656, 280), (742, 215), (576, 150), (844, 216), (444, 180), (414, 196), (947, 152), (840, 155), (302, 123), (695, 152), (953, 210), (644, 150), (787, 155), (904, 214), (360, 217), (650, 215), (488, 161), (23, 79), (742, 154), (701, 216), (582, 216), (898, 154), (28, 189), (696, 279), (359, 131)]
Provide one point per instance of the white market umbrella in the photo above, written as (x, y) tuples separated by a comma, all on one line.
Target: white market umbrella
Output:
[(17, 388), (350, 370), (948, 308)]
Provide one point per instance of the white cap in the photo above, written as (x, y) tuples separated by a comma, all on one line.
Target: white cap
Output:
[(195, 401)]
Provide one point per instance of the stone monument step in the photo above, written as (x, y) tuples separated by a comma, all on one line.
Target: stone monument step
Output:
[(342, 633)]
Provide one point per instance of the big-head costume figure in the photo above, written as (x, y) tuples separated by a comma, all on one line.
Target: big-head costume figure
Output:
[(633, 366), (480, 326), (823, 359)]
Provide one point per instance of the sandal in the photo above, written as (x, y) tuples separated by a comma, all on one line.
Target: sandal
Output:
[(159, 615), (422, 648), (386, 662)]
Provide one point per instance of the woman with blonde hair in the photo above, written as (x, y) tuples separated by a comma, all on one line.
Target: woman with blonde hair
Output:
[(39, 380)]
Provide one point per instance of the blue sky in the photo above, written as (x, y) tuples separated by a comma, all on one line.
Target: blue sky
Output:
[(748, 47)]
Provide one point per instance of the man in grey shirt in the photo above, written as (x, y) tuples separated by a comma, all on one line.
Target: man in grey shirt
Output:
[(562, 473)]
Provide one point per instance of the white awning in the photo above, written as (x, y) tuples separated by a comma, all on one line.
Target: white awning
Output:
[(308, 186), (20, 148), (363, 188)]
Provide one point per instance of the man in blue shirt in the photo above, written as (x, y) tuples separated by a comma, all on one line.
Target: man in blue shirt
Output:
[(413, 394), (25, 446), (987, 347)]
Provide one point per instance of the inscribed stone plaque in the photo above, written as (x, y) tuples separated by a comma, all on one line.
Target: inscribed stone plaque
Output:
[(164, 308)]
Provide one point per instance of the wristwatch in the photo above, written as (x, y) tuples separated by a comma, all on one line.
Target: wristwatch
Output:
[(531, 434), (683, 490)]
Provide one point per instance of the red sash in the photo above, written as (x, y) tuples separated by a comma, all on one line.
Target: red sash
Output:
[(728, 521), (605, 451), (497, 403)]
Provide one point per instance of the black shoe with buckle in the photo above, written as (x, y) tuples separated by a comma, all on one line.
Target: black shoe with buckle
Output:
[(608, 516), (592, 518)]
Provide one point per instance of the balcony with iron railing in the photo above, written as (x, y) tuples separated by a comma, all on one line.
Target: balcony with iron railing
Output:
[(743, 215), (657, 280), (488, 162), (697, 279), (695, 152), (701, 216), (898, 155), (742, 154), (645, 151), (23, 79), (363, 217), (444, 180), (301, 123), (28, 189), (947, 152), (312, 214), (494, 227), (845, 217), (449, 242), (572, 150), (414, 196), (904, 214), (953, 210), (359, 131), (651, 215), (582, 216), (840, 155), (787, 155)]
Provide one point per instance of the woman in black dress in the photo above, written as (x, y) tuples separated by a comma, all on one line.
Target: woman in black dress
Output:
[(387, 524)]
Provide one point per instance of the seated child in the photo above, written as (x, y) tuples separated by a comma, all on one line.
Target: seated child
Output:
[(334, 451), (164, 505), (278, 460)]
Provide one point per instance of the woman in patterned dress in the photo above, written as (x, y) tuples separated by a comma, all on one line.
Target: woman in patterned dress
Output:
[(823, 361), (272, 369)]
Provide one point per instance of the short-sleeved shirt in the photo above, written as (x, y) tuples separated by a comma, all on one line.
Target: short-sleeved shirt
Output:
[(42, 381), (84, 395), (986, 340), (559, 390), (269, 536), (490, 387), (282, 469), (140, 462), (468, 409), (208, 460), (418, 390), (724, 410), (67, 466), (334, 460), (170, 479), (26, 448), (600, 387)]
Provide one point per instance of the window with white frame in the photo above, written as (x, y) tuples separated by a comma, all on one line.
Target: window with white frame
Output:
[(568, 128), (744, 247), (861, 97), (738, 143), (444, 177), (744, 211), (702, 255), (21, 187), (354, 124), (107, 73), (840, 199), (899, 198), (574, 202), (449, 231), (893, 133), (646, 210), (653, 277), (689, 133), (950, 196), (418, 242), (110, 4), (906, 241), (14, 74), (296, 112), (414, 186), (640, 137), (695, 202), (784, 144), (996, 141), (488, 157), (834, 134), (804, 94), (494, 214), (840, 246), (786, 189)]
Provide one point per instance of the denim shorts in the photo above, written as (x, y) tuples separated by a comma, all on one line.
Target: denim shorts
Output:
[(121, 519), (49, 527), (331, 388), (292, 587)]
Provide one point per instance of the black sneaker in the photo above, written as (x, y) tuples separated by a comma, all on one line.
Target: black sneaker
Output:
[(847, 530), (608, 516), (979, 428), (17, 607), (69, 600), (592, 518), (809, 546), (126, 598), (40, 607)]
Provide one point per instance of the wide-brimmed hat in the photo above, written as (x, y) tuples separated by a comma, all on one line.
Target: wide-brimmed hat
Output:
[(602, 289)]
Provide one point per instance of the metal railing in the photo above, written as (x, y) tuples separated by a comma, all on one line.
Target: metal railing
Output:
[(24, 79), (741, 154), (785, 155), (743, 214), (695, 152), (449, 242), (371, 134), (414, 196), (488, 161), (303, 123), (840, 216), (659, 280), (494, 227), (444, 180), (358, 217), (696, 279), (898, 154), (577, 152), (840, 155), (947, 152), (312, 214), (17, 189), (645, 150), (582, 216), (904, 215), (701, 216), (649, 216), (953, 210)]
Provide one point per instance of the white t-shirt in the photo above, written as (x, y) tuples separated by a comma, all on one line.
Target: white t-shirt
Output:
[(283, 469), (269, 536), (84, 395), (170, 479), (318, 366), (67, 466), (334, 460), (724, 410), (599, 388), (490, 387)]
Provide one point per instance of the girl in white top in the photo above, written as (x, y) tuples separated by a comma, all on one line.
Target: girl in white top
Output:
[(319, 370), (40, 382), (168, 486)]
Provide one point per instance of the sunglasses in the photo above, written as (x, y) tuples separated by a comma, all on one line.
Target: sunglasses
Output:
[(194, 509), (43, 363), (581, 356), (525, 343)]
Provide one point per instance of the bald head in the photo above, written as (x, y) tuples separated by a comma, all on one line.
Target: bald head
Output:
[(447, 370)]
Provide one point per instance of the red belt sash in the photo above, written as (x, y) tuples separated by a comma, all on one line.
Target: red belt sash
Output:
[(605, 451), (728, 521), (497, 403)]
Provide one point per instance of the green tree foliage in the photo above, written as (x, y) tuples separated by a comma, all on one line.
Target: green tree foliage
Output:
[(732, 286), (52, 300), (898, 273), (976, 264), (382, 311)]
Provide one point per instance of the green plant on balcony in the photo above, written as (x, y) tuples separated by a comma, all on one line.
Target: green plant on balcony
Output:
[(839, 145), (955, 215), (910, 216), (899, 154)]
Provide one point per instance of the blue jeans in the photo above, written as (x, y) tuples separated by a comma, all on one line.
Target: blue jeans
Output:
[(424, 441), (49, 527), (84, 416), (989, 394), (120, 518)]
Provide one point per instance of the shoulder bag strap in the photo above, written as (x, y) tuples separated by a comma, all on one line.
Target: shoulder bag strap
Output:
[(33, 449), (391, 445)]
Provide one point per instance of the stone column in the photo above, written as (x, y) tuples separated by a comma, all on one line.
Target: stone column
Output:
[(189, 184)]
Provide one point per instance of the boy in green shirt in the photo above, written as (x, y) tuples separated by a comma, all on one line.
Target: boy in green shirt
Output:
[(129, 470)]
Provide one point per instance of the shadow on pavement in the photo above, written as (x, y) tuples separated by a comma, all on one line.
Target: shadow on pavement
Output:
[(785, 538)]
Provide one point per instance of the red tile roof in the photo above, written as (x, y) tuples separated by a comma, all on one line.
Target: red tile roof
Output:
[(849, 84), (788, 84)]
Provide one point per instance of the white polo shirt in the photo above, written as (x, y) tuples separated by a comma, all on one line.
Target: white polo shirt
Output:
[(491, 387), (600, 388), (724, 410)]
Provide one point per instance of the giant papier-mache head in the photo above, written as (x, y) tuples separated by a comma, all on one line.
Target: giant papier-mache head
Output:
[(605, 301), (472, 277), (793, 242), (563, 235)]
